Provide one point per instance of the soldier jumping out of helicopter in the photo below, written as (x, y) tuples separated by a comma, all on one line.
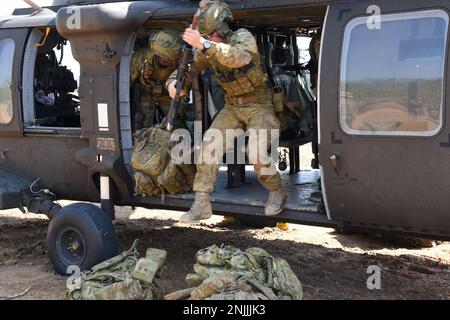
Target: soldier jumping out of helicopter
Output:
[(152, 67), (248, 100)]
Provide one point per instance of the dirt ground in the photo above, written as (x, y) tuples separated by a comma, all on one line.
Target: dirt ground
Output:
[(329, 265)]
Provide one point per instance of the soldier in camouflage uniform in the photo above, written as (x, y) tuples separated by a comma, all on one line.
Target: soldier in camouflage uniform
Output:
[(248, 100), (152, 67)]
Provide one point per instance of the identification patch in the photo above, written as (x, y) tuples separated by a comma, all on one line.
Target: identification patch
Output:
[(106, 144)]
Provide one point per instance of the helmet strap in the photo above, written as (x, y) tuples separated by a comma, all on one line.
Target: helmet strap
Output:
[(215, 37), (224, 31)]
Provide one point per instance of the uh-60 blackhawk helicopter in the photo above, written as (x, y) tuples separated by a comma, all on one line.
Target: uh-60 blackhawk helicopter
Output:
[(379, 123)]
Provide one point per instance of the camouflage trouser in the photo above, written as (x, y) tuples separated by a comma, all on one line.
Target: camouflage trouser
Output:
[(251, 116), (148, 107)]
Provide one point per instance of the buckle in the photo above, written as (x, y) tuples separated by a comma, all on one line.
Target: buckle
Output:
[(241, 100)]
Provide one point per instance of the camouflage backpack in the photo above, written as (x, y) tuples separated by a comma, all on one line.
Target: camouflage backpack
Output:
[(151, 151), (155, 172), (227, 273), (124, 277)]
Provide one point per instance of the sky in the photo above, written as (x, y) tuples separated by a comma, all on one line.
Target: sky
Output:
[(9, 6), (407, 49)]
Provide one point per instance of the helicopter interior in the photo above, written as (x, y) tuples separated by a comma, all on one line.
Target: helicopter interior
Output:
[(50, 87), (291, 62)]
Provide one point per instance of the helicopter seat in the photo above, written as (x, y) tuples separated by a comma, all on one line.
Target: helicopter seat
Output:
[(296, 119)]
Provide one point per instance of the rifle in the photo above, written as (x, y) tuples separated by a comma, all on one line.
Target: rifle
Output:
[(198, 101), (136, 105), (183, 70), (158, 115)]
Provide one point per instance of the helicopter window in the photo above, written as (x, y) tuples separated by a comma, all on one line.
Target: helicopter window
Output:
[(50, 73), (6, 66), (55, 101), (392, 78)]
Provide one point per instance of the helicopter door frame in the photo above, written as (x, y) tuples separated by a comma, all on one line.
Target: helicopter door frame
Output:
[(380, 172), (126, 131), (28, 70), (18, 36)]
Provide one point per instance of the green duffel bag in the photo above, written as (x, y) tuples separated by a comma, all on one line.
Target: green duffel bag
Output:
[(173, 180), (216, 256), (281, 277), (146, 185), (129, 289), (189, 171), (152, 151)]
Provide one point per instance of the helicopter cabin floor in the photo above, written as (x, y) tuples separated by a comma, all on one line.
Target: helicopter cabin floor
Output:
[(249, 199)]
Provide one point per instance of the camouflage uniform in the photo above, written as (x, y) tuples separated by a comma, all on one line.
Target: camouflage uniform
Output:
[(152, 76), (249, 105), (248, 100)]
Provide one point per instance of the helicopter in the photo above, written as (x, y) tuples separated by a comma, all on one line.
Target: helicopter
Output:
[(373, 99)]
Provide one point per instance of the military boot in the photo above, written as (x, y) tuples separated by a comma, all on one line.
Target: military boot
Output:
[(201, 209), (275, 202)]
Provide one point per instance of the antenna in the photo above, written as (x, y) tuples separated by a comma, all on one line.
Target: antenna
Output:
[(33, 5)]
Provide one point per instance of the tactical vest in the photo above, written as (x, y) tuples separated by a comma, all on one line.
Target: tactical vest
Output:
[(153, 78), (243, 81)]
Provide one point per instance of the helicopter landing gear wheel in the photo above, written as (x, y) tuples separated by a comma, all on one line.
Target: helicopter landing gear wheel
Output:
[(80, 235)]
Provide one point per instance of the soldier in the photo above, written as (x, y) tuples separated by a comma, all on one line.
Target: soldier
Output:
[(248, 99), (152, 67)]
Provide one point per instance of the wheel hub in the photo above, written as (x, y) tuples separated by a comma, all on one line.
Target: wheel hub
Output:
[(71, 246)]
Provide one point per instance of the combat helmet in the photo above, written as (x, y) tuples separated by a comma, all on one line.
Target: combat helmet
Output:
[(166, 44), (213, 16)]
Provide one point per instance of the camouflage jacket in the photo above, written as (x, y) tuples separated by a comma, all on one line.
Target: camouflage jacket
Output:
[(236, 64), (151, 76)]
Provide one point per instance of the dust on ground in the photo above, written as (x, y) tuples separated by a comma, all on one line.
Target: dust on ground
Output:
[(329, 265)]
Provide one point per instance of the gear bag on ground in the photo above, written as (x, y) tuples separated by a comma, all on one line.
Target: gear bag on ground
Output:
[(124, 277), (227, 273)]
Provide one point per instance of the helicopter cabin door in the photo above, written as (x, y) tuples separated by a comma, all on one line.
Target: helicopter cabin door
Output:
[(384, 123), (11, 51)]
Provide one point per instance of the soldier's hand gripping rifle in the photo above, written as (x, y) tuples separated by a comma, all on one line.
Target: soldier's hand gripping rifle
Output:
[(182, 74)]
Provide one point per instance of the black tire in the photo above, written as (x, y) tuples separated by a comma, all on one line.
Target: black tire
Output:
[(90, 232)]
